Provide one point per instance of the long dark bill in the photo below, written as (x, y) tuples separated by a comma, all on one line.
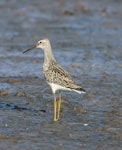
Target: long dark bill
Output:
[(30, 49)]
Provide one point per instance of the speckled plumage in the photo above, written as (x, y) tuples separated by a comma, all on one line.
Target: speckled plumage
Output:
[(57, 75)]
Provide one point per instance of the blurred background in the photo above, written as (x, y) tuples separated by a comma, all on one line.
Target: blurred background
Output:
[(86, 40)]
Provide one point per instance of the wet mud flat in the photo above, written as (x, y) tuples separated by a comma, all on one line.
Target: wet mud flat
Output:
[(86, 41), (27, 117)]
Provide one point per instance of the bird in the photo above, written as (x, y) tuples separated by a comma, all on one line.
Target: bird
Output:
[(55, 75)]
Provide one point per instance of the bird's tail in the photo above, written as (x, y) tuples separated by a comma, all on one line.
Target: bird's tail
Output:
[(79, 90)]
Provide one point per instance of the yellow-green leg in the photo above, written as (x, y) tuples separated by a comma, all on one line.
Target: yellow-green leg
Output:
[(59, 105), (55, 108)]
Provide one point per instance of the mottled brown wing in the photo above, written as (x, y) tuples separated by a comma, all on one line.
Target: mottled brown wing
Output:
[(56, 74)]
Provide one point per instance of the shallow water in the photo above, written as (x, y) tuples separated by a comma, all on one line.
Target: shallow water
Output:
[(86, 41)]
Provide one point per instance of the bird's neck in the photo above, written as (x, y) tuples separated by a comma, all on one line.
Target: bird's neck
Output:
[(48, 56)]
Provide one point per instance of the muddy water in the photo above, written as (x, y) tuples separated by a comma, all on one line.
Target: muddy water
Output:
[(86, 41)]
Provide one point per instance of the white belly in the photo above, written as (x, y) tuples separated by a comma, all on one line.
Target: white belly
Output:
[(56, 87)]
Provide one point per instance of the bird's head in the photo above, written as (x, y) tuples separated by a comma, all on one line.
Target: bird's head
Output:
[(43, 43)]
